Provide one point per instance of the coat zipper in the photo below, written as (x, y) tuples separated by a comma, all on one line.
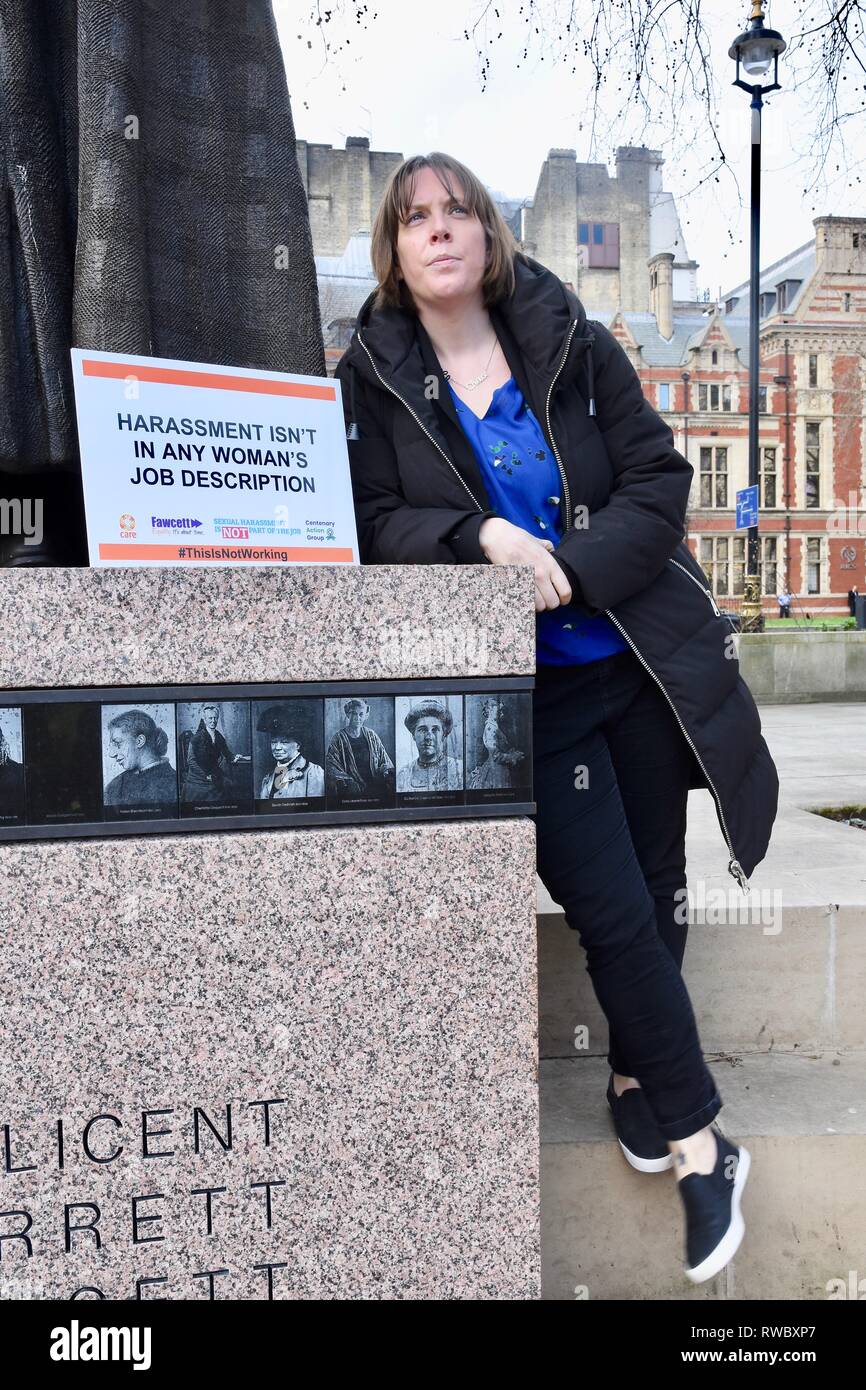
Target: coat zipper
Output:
[(418, 422), (567, 519), (734, 867), (703, 590)]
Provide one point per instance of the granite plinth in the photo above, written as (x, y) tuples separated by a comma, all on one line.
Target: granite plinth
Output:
[(67, 627), (298, 1063)]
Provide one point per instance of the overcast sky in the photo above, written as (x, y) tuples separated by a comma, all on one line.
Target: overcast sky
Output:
[(411, 80)]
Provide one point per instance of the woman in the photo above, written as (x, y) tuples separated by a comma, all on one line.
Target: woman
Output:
[(293, 775), (138, 744), (357, 762), (490, 422), (435, 768), (498, 768)]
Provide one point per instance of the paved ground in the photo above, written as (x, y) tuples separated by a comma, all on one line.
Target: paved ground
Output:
[(820, 752)]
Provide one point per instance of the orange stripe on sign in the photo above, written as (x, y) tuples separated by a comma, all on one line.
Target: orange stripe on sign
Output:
[(281, 553), (173, 376)]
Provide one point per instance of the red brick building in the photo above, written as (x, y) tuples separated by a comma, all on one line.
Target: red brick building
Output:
[(812, 489)]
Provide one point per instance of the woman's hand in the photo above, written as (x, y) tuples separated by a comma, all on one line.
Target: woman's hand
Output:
[(506, 544)]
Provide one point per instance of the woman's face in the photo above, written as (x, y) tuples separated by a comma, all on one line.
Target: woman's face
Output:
[(490, 736), (429, 737), (125, 748), (441, 248), (284, 748)]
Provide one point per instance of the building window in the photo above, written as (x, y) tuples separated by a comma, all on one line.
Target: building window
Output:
[(762, 400), (714, 476), (767, 302), (601, 240), (723, 560), (813, 369), (847, 302), (712, 396), (813, 463), (341, 331), (715, 358), (856, 241), (787, 292), (768, 478), (739, 544), (813, 565), (769, 565), (664, 395)]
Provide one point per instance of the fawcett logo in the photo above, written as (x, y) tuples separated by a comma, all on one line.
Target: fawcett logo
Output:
[(76, 1343)]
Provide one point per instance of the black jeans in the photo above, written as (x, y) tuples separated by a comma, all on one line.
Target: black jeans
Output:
[(611, 851)]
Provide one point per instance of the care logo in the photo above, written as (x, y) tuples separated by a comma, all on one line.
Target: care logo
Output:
[(127, 526)]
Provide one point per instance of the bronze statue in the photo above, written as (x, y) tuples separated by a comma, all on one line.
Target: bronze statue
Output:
[(150, 202)]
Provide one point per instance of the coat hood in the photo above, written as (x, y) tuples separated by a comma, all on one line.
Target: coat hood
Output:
[(390, 347)]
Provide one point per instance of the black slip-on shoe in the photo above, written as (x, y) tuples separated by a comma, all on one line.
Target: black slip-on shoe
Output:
[(639, 1136), (714, 1222)]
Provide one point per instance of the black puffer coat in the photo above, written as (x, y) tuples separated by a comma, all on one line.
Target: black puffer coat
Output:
[(420, 499)]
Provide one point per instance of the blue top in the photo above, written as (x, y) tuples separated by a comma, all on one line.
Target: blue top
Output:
[(523, 484)]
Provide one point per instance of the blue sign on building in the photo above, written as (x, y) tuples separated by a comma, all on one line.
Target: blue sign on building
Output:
[(747, 507)]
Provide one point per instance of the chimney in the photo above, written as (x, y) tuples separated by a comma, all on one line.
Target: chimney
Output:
[(840, 244), (661, 269)]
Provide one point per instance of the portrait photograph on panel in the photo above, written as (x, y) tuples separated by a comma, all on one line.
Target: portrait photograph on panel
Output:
[(214, 758), (498, 746), (139, 762), (359, 752), (429, 732), (12, 802), (62, 766), (288, 754)]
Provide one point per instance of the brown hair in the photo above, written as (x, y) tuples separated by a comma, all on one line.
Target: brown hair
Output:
[(393, 292)]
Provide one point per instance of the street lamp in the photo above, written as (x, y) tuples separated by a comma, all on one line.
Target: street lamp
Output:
[(686, 377), (756, 50)]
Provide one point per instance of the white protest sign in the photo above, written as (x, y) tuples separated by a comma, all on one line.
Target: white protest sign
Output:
[(185, 463)]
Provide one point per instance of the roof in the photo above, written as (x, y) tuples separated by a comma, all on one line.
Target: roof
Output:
[(797, 265), (353, 263), (689, 329)]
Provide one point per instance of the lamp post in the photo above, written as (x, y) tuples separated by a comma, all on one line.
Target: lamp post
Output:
[(756, 50), (686, 377)]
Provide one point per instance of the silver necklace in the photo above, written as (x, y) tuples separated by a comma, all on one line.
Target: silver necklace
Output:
[(476, 380)]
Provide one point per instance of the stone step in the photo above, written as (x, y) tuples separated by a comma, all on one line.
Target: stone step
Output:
[(753, 987), (609, 1232)]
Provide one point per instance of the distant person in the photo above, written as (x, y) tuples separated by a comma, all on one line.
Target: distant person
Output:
[(852, 601), (784, 603)]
